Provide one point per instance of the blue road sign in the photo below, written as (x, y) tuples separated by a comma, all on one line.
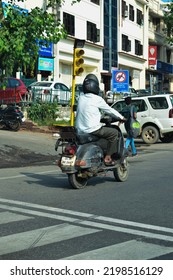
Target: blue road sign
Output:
[(120, 80)]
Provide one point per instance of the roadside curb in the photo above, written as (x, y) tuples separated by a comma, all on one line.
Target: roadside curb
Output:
[(31, 126)]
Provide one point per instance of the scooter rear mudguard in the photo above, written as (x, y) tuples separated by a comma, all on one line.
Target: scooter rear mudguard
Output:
[(91, 154)]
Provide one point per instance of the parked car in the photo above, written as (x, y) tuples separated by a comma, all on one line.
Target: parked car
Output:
[(155, 114), (111, 97), (12, 90), (50, 91), (143, 92), (79, 91)]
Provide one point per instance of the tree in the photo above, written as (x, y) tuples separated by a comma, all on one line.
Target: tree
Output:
[(168, 19), (22, 33)]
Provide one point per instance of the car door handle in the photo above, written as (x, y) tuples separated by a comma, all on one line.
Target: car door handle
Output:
[(143, 116)]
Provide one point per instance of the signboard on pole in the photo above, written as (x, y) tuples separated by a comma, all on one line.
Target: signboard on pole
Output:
[(46, 51), (45, 64), (120, 80), (152, 55)]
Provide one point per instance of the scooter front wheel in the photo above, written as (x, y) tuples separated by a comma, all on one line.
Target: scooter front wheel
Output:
[(121, 173), (14, 125), (77, 182)]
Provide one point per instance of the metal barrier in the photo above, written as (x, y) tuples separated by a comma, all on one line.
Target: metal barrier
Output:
[(50, 96)]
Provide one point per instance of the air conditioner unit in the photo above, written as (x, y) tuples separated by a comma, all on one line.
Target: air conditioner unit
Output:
[(126, 13)]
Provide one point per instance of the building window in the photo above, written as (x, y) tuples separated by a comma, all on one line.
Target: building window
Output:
[(124, 11), (97, 2), (110, 55), (139, 17), (126, 43), (138, 48), (92, 32), (68, 21), (131, 13), (168, 56)]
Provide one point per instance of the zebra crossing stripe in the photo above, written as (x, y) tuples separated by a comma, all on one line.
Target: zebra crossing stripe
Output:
[(8, 217), (94, 223), (129, 250), (40, 237)]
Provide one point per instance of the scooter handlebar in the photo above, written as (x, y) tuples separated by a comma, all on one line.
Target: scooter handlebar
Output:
[(108, 119)]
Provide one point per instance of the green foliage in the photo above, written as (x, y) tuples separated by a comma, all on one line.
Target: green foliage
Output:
[(168, 19), (43, 114), (21, 34)]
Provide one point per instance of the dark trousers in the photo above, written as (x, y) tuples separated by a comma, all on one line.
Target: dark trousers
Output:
[(111, 135)]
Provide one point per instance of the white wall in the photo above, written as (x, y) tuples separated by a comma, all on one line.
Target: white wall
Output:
[(63, 51), (128, 60)]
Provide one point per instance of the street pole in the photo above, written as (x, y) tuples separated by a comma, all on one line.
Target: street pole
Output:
[(72, 97)]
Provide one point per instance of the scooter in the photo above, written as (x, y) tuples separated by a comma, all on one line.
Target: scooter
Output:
[(82, 155), (11, 117)]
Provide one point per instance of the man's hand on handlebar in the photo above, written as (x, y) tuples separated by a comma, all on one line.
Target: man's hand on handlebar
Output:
[(122, 121)]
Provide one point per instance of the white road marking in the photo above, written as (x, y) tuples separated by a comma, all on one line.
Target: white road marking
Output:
[(129, 231), (7, 217), (87, 215), (129, 250), (38, 213), (40, 237), (93, 223), (23, 175)]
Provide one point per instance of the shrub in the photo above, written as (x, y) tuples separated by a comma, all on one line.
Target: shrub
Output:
[(43, 114)]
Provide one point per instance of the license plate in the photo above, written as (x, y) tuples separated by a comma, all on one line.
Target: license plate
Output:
[(68, 161)]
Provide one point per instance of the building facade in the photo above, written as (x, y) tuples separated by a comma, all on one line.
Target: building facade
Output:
[(133, 40), (118, 35), (88, 26), (159, 76)]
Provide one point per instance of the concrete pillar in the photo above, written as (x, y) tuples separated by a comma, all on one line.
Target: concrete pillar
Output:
[(39, 77), (171, 84), (18, 74)]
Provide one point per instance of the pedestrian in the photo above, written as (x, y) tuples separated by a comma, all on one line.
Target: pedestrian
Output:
[(129, 112), (88, 115)]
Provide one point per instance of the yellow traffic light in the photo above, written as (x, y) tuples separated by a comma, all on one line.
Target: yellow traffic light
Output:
[(78, 62)]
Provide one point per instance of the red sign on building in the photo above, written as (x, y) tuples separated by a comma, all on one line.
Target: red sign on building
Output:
[(152, 55)]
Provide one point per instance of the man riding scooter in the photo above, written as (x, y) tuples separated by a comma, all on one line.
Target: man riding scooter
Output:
[(88, 116)]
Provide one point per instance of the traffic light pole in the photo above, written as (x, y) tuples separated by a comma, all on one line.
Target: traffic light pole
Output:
[(72, 102)]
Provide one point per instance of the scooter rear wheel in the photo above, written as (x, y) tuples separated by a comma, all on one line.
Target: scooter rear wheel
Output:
[(121, 173), (77, 182)]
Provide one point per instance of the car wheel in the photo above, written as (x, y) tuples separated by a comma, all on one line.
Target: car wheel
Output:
[(150, 134)]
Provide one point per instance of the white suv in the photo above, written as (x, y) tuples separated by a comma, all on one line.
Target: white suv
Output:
[(155, 114)]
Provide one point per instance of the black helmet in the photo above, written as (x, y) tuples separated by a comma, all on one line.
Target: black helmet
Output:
[(91, 84)]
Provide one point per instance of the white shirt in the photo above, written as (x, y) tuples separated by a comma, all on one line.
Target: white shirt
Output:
[(88, 113)]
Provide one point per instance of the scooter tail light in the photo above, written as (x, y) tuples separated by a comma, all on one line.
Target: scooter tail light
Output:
[(70, 150), (46, 91), (80, 162)]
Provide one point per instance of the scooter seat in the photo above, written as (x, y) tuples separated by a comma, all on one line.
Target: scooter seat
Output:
[(84, 138)]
